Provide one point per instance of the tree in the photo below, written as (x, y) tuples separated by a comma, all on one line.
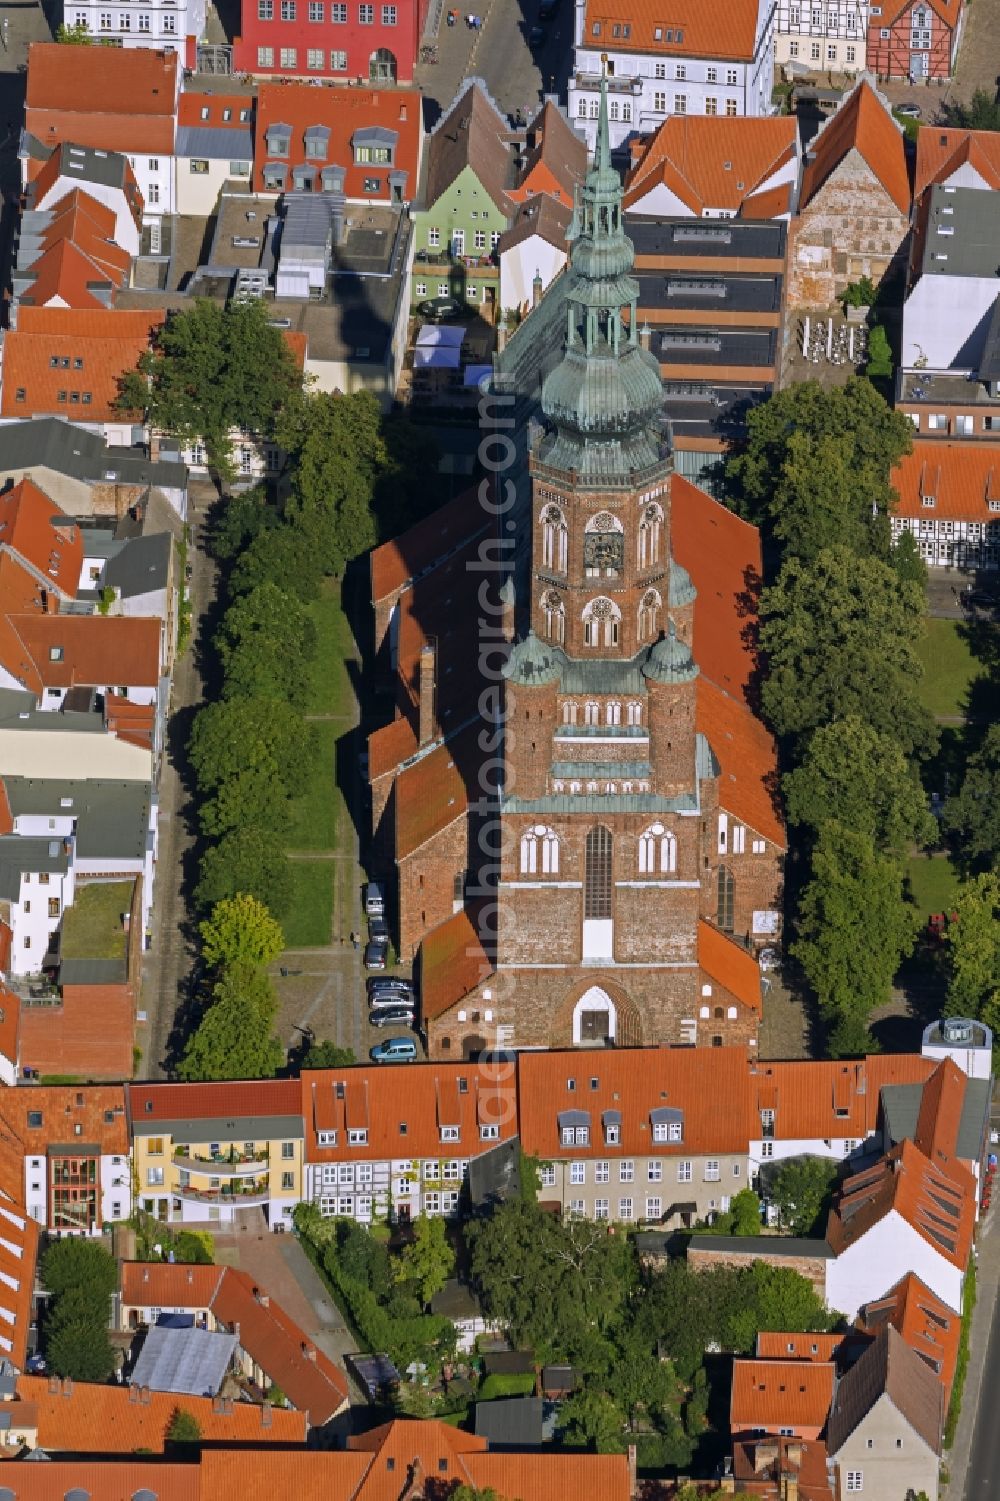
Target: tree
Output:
[(906, 560), (183, 1427), (77, 1345), (428, 1261), (248, 799), (855, 775), (250, 861), (265, 641), (840, 637), (282, 555), (74, 36), (589, 1419), (879, 354), (854, 928), (80, 1265), (974, 946), (745, 1210), (328, 1055), (240, 932), (212, 371), (238, 520), (234, 1039), (196, 1246), (972, 816), (240, 735), (802, 1190), (981, 113), (790, 439), (337, 451), (402, 494)]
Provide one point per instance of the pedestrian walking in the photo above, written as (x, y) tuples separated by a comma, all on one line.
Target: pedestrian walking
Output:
[(354, 938)]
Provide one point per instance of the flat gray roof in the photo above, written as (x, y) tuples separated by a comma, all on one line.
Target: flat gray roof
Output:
[(112, 818), (20, 856), (140, 566), (762, 1245), (52, 443), (238, 1128), (961, 231)]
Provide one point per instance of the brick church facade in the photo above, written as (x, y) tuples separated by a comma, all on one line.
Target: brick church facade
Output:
[(641, 845)]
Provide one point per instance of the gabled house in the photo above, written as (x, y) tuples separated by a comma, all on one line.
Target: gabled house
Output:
[(214, 146), (67, 257), (76, 1171), (854, 203), (88, 478), (104, 176), (716, 168), (554, 159), (904, 1214), (949, 502), (885, 1428), (465, 208), (534, 249), (362, 145), (783, 1398), (956, 158), (914, 39), (123, 95), (928, 1326)]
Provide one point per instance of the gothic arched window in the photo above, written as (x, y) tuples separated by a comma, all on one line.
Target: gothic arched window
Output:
[(539, 852), (726, 893), (569, 712), (613, 713), (601, 622), (650, 528), (657, 851), (555, 617), (597, 883), (649, 613), (635, 713), (555, 539), (592, 713)]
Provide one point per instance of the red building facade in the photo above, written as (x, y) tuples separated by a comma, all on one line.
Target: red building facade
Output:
[(368, 42), (915, 39)]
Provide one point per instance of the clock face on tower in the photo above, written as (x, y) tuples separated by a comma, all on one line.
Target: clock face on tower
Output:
[(604, 551)]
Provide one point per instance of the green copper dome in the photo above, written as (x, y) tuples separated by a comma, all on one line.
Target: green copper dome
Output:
[(605, 397), (670, 660), (533, 663), (680, 589)]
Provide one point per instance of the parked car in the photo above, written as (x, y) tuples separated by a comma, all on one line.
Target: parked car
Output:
[(978, 599), (437, 308), (536, 37), (378, 929), (383, 1000), (374, 900), (910, 111), (376, 952), (392, 1016), (390, 985), (547, 9), (394, 1050)]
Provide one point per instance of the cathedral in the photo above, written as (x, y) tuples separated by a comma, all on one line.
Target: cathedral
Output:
[(641, 841)]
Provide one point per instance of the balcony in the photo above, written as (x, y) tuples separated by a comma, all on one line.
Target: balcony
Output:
[(228, 1165), (245, 1194)]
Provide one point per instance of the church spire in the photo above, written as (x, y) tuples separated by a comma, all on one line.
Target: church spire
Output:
[(602, 156)]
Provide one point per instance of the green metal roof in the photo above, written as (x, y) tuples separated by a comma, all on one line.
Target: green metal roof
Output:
[(616, 769)]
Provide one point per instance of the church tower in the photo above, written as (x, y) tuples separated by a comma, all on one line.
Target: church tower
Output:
[(604, 823)]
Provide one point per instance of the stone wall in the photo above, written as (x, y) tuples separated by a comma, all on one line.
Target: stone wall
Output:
[(852, 228)]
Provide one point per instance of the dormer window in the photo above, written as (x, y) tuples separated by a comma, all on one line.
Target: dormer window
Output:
[(450, 1133), (928, 502), (612, 1122), (994, 505), (303, 178), (274, 177), (333, 179), (374, 146), (317, 141), (574, 1128), (326, 1138), (279, 140), (358, 1137), (667, 1125)]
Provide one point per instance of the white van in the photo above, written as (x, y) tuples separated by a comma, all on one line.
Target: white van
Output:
[(374, 900), (380, 1000)]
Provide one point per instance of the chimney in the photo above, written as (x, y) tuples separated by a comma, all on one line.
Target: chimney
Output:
[(265, 1300), (645, 335), (310, 1352), (265, 1415), (68, 1387), (633, 1479), (428, 666), (145, 1395), (133, 1393), (536, 288)]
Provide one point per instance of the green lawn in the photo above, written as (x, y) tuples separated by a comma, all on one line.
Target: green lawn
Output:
[(92, 927), (933, 883), (309, 920), (312, 821), (329, 686), (949, 668)]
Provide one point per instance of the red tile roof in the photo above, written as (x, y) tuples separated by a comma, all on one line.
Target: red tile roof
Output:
[(941, 151), (709, 1085), (107, 1480), (342, 112), (10, 1023), (122, 95), (74, 1417), (861, 124), (413, 552), (79, 263), (19, 591), (781, 1394), (557, 158), (108, 342), (95, 1115), (928, 1326), (38, 531), (830, 1100), (18, 1254), (210, 1102), (192, 103), (937, 1202), (390, 746), (762, 1467), (717, 28), (162, 1284), (747, 756), (433, 792), (90, 1034), (92, 650), (963, 477), (785, 1345), (728, 963), (940, 1114), (948, 10), (453, 962), (306, 1475), (714, 161), (134, 723)]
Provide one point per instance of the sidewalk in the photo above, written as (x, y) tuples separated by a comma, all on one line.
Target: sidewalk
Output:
[(956, 1459)]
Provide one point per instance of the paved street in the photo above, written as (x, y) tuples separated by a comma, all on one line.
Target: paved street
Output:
[(167, 967), (498, 52)]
